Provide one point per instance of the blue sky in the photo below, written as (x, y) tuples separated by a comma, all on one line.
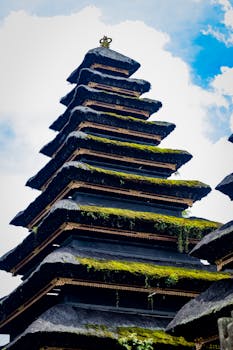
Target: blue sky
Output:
[(185, 48), (183, 20)]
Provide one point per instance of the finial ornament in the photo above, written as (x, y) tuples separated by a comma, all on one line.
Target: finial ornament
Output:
[(105, 41)]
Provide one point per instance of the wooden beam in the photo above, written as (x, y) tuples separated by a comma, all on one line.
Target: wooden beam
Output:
[(132, 194), (127, 132), (61, 282), (113, 69), (121, 108), (200, 342), (220, 263), (68, 226), (114, 89), (115, 158)]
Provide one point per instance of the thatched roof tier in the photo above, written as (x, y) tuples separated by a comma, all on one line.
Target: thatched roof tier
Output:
[(114, 126), (205, 309), (216, 245), (77, 269), (69, 325), (106, 61), (90, 223), (231, 138), (79, 180), (93, 78), (115, 155), (226, 186), (140, 108)]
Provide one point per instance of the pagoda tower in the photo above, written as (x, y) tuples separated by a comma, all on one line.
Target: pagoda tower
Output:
[(105, 264), (214, 306)]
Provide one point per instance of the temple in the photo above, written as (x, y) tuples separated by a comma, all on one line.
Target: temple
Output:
[(215, 305), (105, 263)]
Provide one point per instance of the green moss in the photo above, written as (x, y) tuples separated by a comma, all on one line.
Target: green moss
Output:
[(157, 181), (35, 229), (150, 270), (132, 342), (137, 146), (136, 338), (161, 223), (157, 336), (133, 119)]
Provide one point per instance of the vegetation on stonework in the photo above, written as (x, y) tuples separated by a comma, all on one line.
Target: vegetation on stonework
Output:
[(136, 338), (170, 274), (183, 228), (132, 342), (141, 147), (133, 119), (156, 181)]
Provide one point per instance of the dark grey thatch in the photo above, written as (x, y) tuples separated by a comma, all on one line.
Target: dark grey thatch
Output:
[(72, 171), (79, 139), (65, 263), (73, 325), (68, 211), (216, 244), (84, 93), (107, 57), (198, 318), (80, 114), (89, 75), (231, 138), (226, 186)]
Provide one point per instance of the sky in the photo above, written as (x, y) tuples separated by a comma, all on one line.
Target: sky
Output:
[(185, 48)]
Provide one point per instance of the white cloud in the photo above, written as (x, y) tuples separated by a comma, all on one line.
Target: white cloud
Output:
[(222, 83), (225, 36), (39, 53)]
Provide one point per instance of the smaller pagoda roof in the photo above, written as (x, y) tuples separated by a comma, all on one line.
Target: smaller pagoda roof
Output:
[(179, 193), (140, 108), (205, 309), (231, 138), (115, 153), (105, 81), (99, 57), (226, 186), (79, 114), (69, 324), (216, 244), (144, 227)]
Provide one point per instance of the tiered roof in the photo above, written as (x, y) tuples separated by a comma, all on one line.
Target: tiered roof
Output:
[(105, 258)]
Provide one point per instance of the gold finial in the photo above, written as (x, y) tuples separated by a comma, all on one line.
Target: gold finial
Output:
[(105, 41)]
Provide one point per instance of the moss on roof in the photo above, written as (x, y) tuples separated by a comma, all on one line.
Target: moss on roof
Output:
[(170, 273), (136, 334), (145, 148), (162, 223), (133, 119), (152, 180)]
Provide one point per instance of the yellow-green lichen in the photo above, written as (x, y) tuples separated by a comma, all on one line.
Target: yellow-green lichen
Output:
[(137, 338), (161, 223), (183, 229), (156, 336), (147, 179), (138, 146), (150, 270), (133, 119)]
